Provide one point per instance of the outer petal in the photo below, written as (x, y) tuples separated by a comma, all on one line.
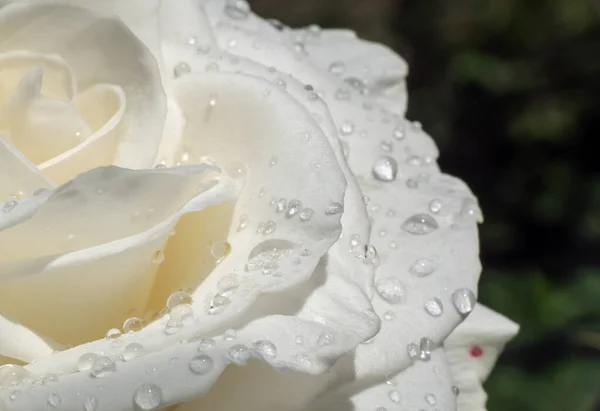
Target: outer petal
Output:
[(343, 54), (472, 350), (423, 386), (125, 62)]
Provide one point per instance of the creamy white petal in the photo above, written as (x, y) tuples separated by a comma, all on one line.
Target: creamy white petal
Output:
[(124, 62), (85, 259), (424, 385), (472, 350), (18, 176), (21, 343), (345, 55)]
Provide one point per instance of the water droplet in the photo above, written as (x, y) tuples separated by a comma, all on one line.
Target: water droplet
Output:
[(422, 267), (389, 315), (455, 390), (103, 366), (391, 290), (326, 339), (293, 208), (470, 210), (173, 326), (269, 227), (266, 349), (395, 396), (9, 206), (280, 205), (113, 333), (133, 351), (133, 324), (239, 354), (218, 304), (237, 9), (90, 404), (50, 379), (357, 84), (205, 344), (354, 240), (347, 128), (464, 301), (414, 161), (420, 224), (334, 209), (230, 335), (178, 298), (435, 205), (54, 400), (425, 347), (147, 397), (413, 351), (399, 132), (181, 69), (228, 284), (220, 250), (434, 307), (201, 364), (203, 49), (385, 169), (86, 361), (337, 68), (430, 399), (182, 312), (393, 244), (306, 214), (243, 223), (13, 396)]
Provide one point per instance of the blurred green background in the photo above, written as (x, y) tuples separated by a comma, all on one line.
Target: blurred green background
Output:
[(510, 91)]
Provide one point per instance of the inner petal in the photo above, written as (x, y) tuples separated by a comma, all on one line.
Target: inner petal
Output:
[(41, 127)]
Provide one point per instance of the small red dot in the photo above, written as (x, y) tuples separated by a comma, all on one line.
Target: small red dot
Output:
[(476, 351)]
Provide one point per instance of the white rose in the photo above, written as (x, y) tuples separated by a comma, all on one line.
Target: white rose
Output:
[(288, 164)]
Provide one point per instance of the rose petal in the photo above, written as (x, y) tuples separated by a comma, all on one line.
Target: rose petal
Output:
[(345, 55), (102, 107), (125, 62), (472, 350), (422, 386), (67, 248), (42, 127), (21, 343), (371, 132), (18, 177)]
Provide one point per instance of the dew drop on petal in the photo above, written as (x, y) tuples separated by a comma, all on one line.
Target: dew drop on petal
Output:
[(391, 290), (173, 326), (112, 334), (237, 9), (334, 209), (178, 298), (201, 364), (293, 208), (413, 351), (147, 397), (86, 361), (463, 300), (133, 324), (206, 344), (347, 128), (420, 224), (455, 390), (239, 354), (422, 267), (435, 205), (103, 366), (265, 348), (243, 223), (181, 69), (230, 335), (337, 68), (430, 399), (50, 379), (385, 169), (220, 250), (133, 351), (306, 214), (434, 307)]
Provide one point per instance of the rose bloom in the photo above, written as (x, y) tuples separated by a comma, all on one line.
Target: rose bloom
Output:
[(201, 209)]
